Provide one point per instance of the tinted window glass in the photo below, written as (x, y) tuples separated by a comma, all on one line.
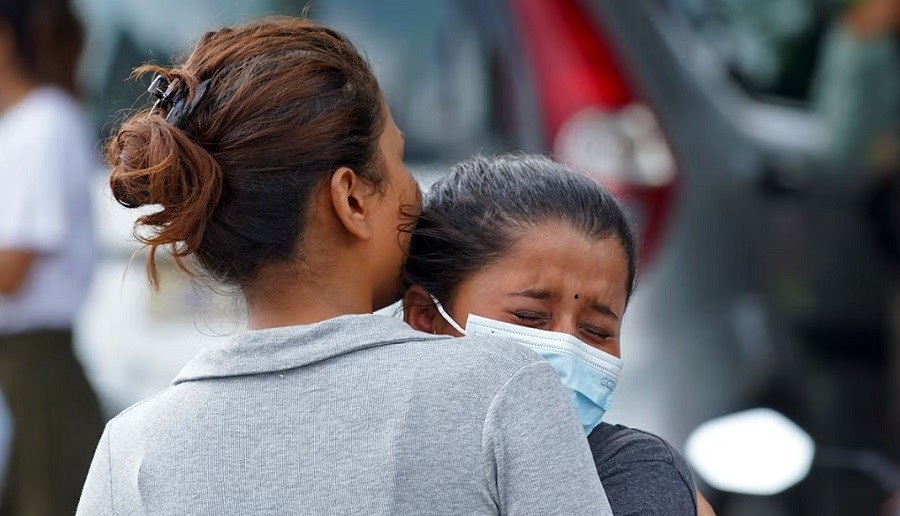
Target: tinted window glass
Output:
[(771, 47), (433, 67), (431, 61)]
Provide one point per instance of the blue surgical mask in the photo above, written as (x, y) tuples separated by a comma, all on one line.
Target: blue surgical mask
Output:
[(590, 375)]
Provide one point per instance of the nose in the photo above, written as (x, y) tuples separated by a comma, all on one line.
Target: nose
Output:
[(565, 325)]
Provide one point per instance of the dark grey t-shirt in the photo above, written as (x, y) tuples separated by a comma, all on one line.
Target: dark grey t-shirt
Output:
[(641, 473)]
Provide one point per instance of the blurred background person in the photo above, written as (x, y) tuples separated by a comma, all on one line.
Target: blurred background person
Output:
[(857, 91), (46, 257), (5, 435), (857, 87)]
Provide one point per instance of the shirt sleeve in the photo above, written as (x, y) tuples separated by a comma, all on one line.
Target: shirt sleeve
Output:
[(537, 450), (96, 497), (32, 199), (626, 458)]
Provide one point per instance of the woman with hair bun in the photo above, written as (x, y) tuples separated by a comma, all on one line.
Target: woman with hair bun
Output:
[(275, 166)]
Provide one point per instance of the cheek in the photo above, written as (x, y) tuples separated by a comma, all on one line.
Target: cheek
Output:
[(470, 302), (616, 348), (412, 199), (408, 200)]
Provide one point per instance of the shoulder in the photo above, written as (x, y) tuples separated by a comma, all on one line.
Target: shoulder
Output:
[(498, 380), (627, 457), (139, 409), (498, 353), (479, 360), (132, 424), (621, 443), (47, 119), (50, 115), (49, 110)]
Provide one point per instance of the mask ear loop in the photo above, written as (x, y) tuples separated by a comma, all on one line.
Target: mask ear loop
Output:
[(446, 316)]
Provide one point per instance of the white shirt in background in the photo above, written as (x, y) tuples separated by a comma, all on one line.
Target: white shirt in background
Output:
[(47, 156)]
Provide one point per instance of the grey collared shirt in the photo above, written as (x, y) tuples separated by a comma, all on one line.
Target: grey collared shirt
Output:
[(355, 415)]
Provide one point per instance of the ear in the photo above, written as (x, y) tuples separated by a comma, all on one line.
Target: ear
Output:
[(419, 310), (351, 198)]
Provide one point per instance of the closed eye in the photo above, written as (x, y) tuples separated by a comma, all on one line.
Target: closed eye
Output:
[(531, 318), (597, 333)]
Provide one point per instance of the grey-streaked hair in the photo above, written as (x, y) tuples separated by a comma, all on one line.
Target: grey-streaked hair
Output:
[(474, 215)]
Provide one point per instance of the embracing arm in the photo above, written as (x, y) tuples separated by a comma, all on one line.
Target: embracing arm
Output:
[(536, 449)]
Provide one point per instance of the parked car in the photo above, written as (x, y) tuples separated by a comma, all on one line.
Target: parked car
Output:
[(760, 281)]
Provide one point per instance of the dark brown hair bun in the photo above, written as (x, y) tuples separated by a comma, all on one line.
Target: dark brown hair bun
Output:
[(289, 101)]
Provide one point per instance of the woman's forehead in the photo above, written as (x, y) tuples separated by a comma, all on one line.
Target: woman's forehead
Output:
[(551, 262)]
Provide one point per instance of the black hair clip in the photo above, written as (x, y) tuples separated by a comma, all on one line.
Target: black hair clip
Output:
[(170, 94), (160, 89)]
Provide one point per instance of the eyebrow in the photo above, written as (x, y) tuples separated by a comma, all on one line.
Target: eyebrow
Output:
[(603, 309), (532, 294)]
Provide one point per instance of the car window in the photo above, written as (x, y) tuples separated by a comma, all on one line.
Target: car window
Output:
[(433, 67), (428, 56), (771, 47)]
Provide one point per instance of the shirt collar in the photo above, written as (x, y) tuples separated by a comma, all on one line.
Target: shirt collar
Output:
[(279, 349)]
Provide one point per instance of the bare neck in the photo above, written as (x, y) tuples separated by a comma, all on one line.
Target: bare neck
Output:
[(294, 294), (13, 88)]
